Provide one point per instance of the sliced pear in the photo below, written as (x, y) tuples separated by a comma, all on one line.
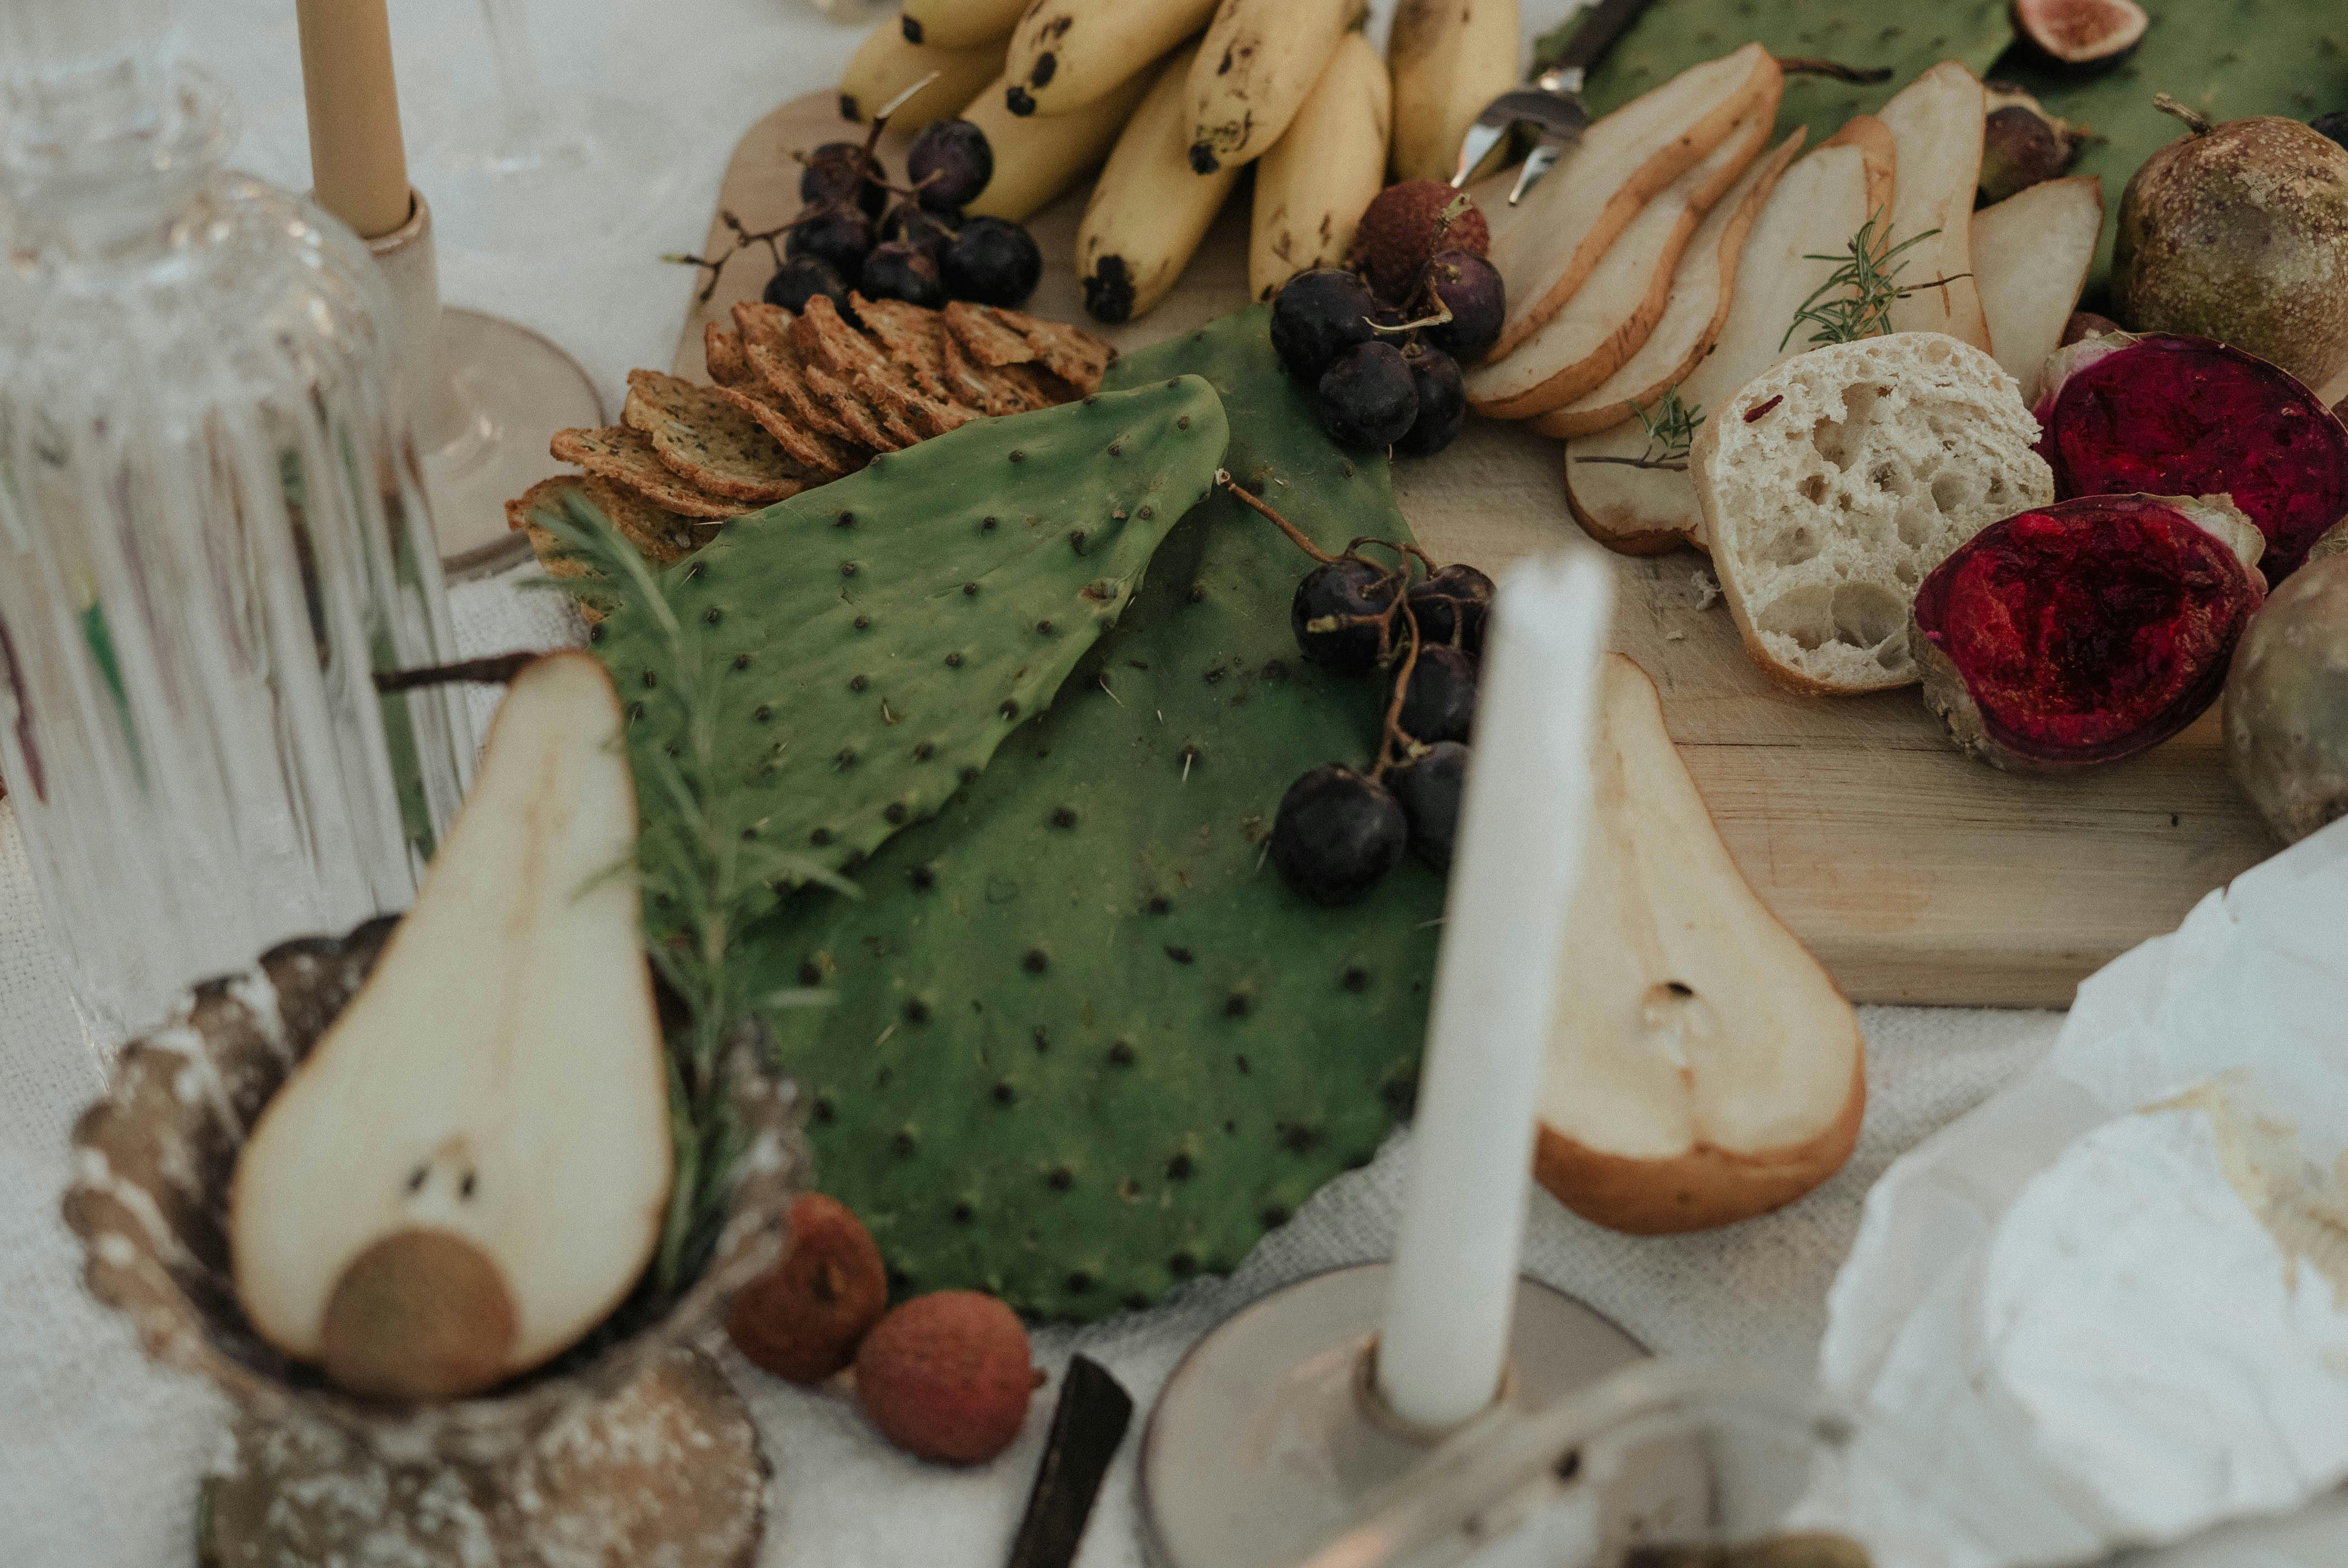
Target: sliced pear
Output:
[(1815, 210), (1936, 121), (1702, 1068), (1546, 247), (1876, 145), (1613, 314), (1702, 287), (467, 1171), (2030, 256)]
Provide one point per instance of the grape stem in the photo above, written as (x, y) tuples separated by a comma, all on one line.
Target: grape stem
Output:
[(1393, 739)]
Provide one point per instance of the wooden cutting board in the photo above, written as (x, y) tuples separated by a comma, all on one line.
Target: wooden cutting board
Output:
[(1916, 875)]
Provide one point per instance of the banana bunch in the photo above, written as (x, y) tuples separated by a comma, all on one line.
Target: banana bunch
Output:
[(1451, 58), (1150, 208), (886, 64), (1311, 188), (960, 23), (1259, 60), (1040, 158), (1065, 53)]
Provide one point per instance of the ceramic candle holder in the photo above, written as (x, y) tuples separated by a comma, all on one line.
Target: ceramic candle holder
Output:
[(629, 1449)]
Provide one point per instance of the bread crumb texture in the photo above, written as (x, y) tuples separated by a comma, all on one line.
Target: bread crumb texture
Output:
[(1833, 483)]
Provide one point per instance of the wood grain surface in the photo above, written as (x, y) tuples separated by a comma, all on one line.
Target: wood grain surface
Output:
[(1916, 875)]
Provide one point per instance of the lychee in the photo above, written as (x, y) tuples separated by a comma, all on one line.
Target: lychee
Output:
[(947, 1376), (1405, 227), (803, 1319)]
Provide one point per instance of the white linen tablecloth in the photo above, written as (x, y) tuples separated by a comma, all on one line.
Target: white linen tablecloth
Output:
[(99, 1451)]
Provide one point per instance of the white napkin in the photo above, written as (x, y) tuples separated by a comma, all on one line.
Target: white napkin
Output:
[(2111, 1302)]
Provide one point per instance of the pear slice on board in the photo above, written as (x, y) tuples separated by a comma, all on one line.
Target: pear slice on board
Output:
[(467, 1171), (1702, 287), (1816, 207), (1547, 246), (2030, 256), (1936, 122), (1702, 1068), (1612, 315), (1880, 149)]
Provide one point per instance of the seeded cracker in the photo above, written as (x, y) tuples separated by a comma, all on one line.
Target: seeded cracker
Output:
[(915, 338), (821, 457), (721, 351), (708, 439), (626, 456), (1072, 354), (766, 343), (822, 337)]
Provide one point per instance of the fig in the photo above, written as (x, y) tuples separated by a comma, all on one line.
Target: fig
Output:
[(2188, 416), (2022, 144), (2090, 33), (2088, 631), (2287, 700), (2240, 232)]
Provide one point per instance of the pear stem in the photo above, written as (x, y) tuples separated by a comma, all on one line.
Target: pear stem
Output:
[(494, 669), (2196, 122)]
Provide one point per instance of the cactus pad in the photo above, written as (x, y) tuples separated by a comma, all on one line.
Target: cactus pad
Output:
[(877, 639), (1086, 1044)]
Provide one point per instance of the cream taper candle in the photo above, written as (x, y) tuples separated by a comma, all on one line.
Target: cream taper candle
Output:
[(358, 167), (1527, 807)]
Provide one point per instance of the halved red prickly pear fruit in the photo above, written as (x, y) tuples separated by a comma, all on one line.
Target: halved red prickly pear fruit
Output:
[(2087, 630), (2082, 33), (2167, 415)]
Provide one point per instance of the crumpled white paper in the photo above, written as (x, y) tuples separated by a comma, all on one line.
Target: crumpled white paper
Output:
[(2111, 1302)]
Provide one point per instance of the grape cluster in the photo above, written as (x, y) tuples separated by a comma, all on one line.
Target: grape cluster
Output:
[(919, 248), (1386, 372), (1419, 629)]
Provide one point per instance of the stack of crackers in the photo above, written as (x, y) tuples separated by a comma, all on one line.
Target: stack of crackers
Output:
[(796, 401)]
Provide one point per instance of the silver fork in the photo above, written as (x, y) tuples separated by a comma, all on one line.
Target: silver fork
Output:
[(1555, 100)]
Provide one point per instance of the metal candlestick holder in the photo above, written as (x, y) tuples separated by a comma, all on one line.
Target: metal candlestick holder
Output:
[(1270, 1435)]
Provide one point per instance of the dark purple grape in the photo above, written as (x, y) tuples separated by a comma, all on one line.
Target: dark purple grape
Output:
[(1438, 701), (899, 271), (1442, 401), (1450, 605), (841, 238), (796, 282), (1367, 398), (1319, 315), (1336, 591), (949, 164), (1428, 786), (1469, 286), (926, 232), (832, 177), (1336, 833), (992, 262)]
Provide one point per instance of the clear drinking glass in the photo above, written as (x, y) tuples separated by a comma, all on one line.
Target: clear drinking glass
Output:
[(212, 534)]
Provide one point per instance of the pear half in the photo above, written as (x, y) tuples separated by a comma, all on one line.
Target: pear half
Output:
[(468, 1171), (1702, 1066)]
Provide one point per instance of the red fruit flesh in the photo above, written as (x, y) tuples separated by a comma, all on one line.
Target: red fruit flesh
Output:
[(947, 1376), (2173, 416), (803, 1319), (2082, 32), (2083, 633)]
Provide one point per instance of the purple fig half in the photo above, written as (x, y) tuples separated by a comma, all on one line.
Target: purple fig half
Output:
[(2088, 631), (2163, 414)]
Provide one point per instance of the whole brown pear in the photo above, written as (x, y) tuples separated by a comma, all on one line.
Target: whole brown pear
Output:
[(2240, 232)]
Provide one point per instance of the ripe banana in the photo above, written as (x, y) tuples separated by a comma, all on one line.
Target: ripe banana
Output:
[(1037, 157), (1451, 58), (1259, 60), (960, 23), (1311, 189), (886, 65), (1065, 53), (1150, 209)]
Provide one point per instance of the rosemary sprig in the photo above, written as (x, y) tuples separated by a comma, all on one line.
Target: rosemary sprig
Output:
[(1671, 432), (1856, 300), (708, 882)]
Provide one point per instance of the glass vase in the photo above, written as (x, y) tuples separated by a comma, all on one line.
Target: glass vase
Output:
[(212, 534)]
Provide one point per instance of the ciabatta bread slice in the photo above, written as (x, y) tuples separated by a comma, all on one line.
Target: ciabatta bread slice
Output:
[(1832, 484)]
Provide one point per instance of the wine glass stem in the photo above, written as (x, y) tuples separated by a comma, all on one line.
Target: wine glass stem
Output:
[(520, 94)]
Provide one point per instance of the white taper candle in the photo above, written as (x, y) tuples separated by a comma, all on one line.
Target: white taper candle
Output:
[(1526, 809)]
